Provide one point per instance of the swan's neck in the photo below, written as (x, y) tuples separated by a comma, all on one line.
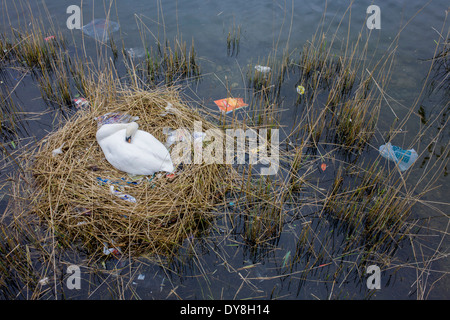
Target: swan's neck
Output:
[(130, 131), (108, 129)]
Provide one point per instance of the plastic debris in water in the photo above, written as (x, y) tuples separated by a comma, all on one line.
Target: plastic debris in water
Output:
[(49, 38), (114, 117), (323, 166), (300, 89), (80, 102), (404, 158), (136, 52), (228, 105), (141, 276), (262, 69), (57, 151), (100, 29), (121, 195), (286, 258)]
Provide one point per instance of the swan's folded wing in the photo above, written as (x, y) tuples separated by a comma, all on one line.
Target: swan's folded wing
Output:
[(149, 144)]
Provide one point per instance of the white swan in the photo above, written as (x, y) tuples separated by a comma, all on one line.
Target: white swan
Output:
[(133, 151)]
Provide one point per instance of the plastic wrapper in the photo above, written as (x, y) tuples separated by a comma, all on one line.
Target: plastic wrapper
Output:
[(99, 29), (114, 117), (404, 158)]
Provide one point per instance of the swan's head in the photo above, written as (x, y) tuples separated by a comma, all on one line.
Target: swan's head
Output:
[(130, 131)]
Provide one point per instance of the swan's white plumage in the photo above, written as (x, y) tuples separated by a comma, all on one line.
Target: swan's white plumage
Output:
[(144, 155)]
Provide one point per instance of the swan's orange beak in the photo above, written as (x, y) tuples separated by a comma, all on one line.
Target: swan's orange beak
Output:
[(128, 139)]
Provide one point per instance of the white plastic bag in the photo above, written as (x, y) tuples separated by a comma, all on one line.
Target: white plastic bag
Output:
[(404, 158), (262, 69), (100, 29)]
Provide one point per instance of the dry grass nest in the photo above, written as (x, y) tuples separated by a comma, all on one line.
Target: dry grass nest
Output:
[(81, 209)]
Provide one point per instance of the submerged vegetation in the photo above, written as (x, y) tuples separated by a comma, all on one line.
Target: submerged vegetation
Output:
[(233, 39), (335, 205)]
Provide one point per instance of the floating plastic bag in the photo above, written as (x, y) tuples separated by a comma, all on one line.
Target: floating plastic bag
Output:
[(136, 52), (404, 158), (262, 69), (100, 29), (114, 117)]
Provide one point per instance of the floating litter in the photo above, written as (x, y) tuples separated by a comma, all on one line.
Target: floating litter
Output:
[(228, 105), (262, 69), (323, 166), (300, 89), (141, 277), (80, 102), (404, 158), (136, 52), (49, 38), (99, 29)]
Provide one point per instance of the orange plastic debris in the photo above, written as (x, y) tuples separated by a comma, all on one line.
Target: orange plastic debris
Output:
[(323, 166), (227, 105)]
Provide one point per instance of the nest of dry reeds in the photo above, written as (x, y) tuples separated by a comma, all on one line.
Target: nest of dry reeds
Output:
[(72, 190)]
